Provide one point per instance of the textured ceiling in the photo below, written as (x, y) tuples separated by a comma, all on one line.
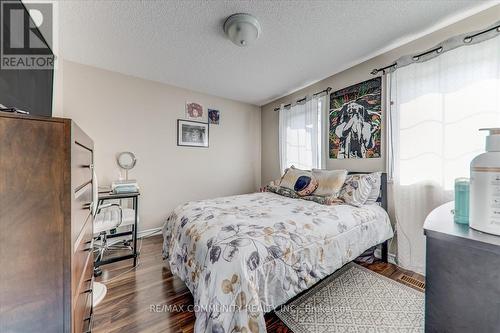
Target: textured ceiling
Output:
[(182, 42)]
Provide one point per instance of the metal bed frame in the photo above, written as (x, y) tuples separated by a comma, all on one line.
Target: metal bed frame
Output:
[(382, 199)]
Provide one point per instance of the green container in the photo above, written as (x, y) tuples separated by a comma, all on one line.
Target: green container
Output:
[(462, 200)]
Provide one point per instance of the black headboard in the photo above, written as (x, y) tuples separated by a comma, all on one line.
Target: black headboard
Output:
[(382, 198)]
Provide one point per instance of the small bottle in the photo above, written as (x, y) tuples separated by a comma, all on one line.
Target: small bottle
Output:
[(461, 201), (485, 186)]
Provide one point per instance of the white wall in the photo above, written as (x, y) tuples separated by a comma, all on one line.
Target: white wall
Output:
[(124, 113)]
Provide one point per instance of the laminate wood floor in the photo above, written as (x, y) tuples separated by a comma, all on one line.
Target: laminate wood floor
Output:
[(134, 293)]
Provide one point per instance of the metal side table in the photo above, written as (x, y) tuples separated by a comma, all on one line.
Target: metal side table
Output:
[(104, 196)]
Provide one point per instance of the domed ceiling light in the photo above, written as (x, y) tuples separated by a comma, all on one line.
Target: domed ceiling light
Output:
[(242, 29)]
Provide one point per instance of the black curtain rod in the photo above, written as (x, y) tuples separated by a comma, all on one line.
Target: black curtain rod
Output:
[(438, 49), (327, 90), (467, 39), (376, 70)]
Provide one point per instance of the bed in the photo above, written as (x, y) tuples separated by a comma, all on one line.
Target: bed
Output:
[(242, 256)]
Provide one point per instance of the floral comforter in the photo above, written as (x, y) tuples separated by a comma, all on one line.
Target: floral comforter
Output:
[(242, 256)]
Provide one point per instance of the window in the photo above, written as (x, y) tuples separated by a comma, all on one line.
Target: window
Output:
[(438, 107), (300, 135)]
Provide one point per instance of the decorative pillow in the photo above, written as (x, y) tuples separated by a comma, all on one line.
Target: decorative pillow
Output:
[(375, 192), (329, 182), (323, 200), (286, 192), (305, 185), (275, 182), (357, 189), (291, 176)]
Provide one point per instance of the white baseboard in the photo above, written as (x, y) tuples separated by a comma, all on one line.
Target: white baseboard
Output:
[(149, 232), (391, 257)]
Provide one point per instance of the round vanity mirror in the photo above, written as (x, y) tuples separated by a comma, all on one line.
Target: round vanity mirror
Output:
[(126, 160)]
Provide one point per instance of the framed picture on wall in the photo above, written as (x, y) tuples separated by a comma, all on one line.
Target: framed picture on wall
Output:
[(194, 111), (213, 117), (355, 121), (192, 133)]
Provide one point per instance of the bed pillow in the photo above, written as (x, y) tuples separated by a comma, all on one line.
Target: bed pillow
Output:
[(291, 176), (328, 201), (375, 192), (305, 185), (357, 189), (286, 192), (329, 182)]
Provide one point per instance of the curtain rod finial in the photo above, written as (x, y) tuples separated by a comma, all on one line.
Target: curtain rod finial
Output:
[(374, 71)]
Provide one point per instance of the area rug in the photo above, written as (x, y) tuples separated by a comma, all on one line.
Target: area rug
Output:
[(355, 299)]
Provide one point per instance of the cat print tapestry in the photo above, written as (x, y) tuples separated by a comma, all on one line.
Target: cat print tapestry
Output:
[(355, 121)]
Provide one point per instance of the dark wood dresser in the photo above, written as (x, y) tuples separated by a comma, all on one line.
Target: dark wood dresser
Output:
[(462, 292), (46, 260)]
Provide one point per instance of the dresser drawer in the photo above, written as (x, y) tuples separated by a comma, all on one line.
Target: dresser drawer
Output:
[(88, 274), (81, 160), (82, 257), (81, 210), (82, 309)]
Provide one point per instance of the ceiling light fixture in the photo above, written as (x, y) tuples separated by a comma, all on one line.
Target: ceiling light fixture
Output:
[(242, 29)]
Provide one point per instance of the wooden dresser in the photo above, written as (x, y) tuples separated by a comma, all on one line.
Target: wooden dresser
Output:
[(46, 260), (462, 292)]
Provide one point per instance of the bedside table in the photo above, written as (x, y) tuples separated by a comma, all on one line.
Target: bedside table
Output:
[(462, 292), (104, 196)]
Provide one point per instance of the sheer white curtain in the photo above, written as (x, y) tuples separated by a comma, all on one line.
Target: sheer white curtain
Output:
[(437, 108), (300, 134)]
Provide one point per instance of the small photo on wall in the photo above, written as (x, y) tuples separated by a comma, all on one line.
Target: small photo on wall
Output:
[(192, 133), (213, 116), (194, 111)]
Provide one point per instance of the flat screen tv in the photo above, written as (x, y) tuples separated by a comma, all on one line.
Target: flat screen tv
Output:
[(26, 89)]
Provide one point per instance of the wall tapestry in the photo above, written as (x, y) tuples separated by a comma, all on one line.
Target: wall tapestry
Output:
[(355, 121)]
